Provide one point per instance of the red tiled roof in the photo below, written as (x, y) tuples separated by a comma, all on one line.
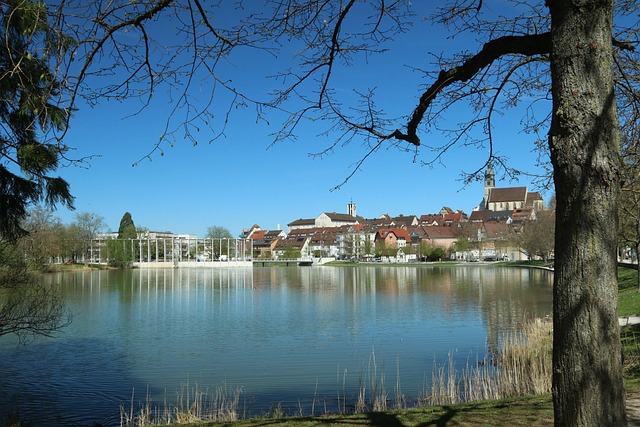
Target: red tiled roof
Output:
[(479, 216), (532, 197), (341, 217), (258, 234), (303, 221), (497, 229), (441, 232), (511, 194), (522, 214), (400, 233)]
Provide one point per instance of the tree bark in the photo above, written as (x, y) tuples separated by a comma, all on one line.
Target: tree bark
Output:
[(584, 144)]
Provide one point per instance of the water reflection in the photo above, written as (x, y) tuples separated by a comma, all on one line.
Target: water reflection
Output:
[(284, 334)]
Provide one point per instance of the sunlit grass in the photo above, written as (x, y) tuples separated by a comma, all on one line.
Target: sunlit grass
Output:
[(521, 367), (628, 293), (192, 405)]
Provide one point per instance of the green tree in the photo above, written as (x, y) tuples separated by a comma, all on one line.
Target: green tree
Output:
[(368, 247), (127, 229), (629, 210), (436, 253), (462, 244), (122, 251), (290, 252), (29, 115)]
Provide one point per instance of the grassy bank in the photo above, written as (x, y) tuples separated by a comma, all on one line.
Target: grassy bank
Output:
[(526, 411), (54, 268)]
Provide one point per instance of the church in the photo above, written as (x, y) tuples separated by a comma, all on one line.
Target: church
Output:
[(509, 198)]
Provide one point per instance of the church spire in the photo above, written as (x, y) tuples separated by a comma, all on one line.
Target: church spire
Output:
[(489, 183)]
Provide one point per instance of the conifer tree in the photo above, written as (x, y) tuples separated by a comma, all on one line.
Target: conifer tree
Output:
[(29, 115), (127, 229)]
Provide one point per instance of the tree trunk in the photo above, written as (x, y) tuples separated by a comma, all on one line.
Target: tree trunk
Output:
[(584, 144)]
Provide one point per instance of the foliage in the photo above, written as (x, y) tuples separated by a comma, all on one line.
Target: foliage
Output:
[(435, 253), (29, 114), (382, 249), (368, 248), (629, 209), (221, 236), (127, 229), (462, 244), (119, 253), (290, 252), (89, 224)]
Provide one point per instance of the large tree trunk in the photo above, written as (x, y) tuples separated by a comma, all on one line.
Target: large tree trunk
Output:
[(584, 143)]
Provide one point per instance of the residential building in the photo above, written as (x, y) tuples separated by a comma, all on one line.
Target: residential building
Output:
[(264, 241), (441, 236), (327, 219)]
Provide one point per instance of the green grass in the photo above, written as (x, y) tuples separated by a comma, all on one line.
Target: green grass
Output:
[(628, 294)]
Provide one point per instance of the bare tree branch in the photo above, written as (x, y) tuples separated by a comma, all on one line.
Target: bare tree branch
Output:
[(523, 45)]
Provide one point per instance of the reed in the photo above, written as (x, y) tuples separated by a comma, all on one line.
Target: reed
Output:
[(192, 405), (521, 367), (372, 393)]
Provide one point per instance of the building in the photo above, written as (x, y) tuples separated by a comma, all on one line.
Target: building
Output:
[(509, 198), (264, 241), (328, 220)]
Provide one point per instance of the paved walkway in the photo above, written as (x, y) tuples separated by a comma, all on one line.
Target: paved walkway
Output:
[(633, 411), (629, 320)]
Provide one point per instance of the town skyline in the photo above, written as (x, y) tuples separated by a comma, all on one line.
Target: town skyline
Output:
[(283, 225)]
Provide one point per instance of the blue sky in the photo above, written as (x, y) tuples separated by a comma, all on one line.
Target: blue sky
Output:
[(241, 180)]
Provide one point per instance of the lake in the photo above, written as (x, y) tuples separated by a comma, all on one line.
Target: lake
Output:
[(296, 338)]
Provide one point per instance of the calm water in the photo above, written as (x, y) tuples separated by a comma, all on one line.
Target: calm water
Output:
[(286, 335)]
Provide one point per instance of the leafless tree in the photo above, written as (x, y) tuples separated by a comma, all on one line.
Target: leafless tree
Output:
[(537, 237)]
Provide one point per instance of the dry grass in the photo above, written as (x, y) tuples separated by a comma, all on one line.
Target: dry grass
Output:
[(522, 367), (192, 405)]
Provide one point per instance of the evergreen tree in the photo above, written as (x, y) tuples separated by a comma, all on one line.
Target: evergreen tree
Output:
[(29, 115), (127, 229), (122, 252)]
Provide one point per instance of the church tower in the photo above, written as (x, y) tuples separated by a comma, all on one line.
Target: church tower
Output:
[(351, 209), (489, 183)]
